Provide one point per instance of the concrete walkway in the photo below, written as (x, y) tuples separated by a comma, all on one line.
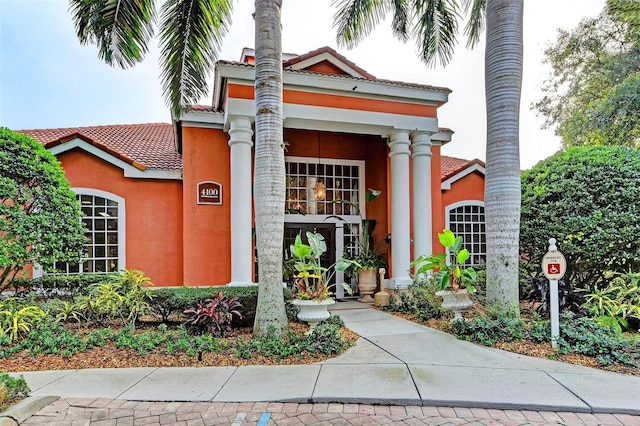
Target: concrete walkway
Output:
[(396, 362)]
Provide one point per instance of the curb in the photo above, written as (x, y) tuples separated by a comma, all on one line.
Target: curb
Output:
[(24, 409)]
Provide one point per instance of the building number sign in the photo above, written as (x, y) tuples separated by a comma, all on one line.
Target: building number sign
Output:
[(210, 193)]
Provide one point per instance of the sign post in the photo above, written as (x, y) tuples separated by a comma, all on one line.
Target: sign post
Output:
[(554, 265)]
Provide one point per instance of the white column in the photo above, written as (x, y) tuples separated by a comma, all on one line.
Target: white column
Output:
[(400, 216), (241, 242), (422, 213)]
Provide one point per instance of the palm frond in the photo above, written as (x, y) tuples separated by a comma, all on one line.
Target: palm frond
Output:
[(475, 25), (436, 30), (190, 41), (120, 28), (401, 19), (356, 19)]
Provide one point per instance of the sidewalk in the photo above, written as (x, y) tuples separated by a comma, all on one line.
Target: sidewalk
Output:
[(396, 363)]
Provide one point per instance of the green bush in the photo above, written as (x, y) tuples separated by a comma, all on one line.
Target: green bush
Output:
[(489, 330), (587, 199), (586, 336), (169, 301), (419, 299), (17, 317), (325, 339), (52, 286), (11, 390), (39, 213), (126, 296), (618, 304)]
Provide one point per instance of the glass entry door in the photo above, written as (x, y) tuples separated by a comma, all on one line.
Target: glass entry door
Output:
[(327, 230)]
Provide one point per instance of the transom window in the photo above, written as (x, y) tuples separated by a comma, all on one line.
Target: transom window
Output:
[(103, 218), (341, 182), (467, 221)]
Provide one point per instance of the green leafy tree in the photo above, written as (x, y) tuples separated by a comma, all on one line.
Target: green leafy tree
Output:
[(433, 24), (587, 199), (191, 33), (39, 214), (592, 96)]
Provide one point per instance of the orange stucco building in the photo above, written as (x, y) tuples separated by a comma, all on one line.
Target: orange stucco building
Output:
[(175, 200)]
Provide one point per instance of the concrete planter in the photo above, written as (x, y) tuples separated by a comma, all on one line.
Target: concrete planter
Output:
[(313, 311), (456, 301), (367, 284)]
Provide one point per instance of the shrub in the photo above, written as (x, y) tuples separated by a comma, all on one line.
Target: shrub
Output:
[(168, 301), (419, 299), (488, 330), (569, 299), (586, 336), (125, 296), (11, 390), (17, 317), (39, 214), (617, 305), (587, 199), (214, 315), (51, 286)]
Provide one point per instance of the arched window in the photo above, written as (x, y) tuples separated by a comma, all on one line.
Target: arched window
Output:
[(466, 219), (103, 216)]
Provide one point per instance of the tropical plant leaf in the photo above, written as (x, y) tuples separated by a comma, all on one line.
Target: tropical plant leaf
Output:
[(121, 29), (191, 33)]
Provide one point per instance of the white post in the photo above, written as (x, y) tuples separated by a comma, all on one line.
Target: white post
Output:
[(241, 242), (400, 216), (421, 158), (553, 267)]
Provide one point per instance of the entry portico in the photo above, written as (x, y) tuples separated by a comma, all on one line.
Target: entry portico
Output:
[(334, 112)]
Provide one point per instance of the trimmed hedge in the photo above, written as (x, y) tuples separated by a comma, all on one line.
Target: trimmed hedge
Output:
[(174, 300), (49, 286)]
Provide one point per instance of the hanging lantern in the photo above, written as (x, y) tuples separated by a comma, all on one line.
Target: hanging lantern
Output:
[(319, 190)]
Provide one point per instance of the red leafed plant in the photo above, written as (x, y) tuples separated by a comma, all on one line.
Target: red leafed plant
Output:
[(214, 315)]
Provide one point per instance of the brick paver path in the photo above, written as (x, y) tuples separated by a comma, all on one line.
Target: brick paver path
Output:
[(74, 412)]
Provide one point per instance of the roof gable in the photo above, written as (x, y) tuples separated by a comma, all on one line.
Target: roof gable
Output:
[(327, 61), (143, 147)]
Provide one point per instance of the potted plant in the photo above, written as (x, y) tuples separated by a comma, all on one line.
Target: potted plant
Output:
[(453, 280), (312, 288), (363, 254)]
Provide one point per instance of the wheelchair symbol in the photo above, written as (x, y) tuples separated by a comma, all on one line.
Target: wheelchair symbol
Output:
[(553, 268)]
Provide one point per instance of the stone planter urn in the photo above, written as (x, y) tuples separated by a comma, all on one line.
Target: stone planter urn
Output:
[(313, 311), (456, 301), (367, 284)]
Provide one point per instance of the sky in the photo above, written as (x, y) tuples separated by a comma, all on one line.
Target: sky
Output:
[(49, 80)]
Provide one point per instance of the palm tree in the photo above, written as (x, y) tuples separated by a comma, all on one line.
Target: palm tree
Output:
[(191, 34), (269, 174), (434, 26)]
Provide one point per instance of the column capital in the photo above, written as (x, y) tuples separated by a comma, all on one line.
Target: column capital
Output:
[(399, 143), (421, 144), (240, 131)]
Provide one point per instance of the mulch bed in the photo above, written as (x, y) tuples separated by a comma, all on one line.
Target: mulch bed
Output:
[(111, 357)]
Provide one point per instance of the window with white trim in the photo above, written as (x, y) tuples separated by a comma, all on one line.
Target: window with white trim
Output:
[(103, 218), (466, 219), (341, 182)]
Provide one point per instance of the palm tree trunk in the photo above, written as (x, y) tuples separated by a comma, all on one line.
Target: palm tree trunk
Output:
[(503, 78), (269, 174)]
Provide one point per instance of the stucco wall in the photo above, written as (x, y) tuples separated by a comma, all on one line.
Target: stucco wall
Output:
[(153, 214)]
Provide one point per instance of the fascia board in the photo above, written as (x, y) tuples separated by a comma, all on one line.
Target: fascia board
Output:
[(208, 119), (128, 169), (340, 86)]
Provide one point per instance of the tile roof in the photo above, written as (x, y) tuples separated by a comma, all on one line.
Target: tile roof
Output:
[(153, 146), (144, 146), (451, 166)]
